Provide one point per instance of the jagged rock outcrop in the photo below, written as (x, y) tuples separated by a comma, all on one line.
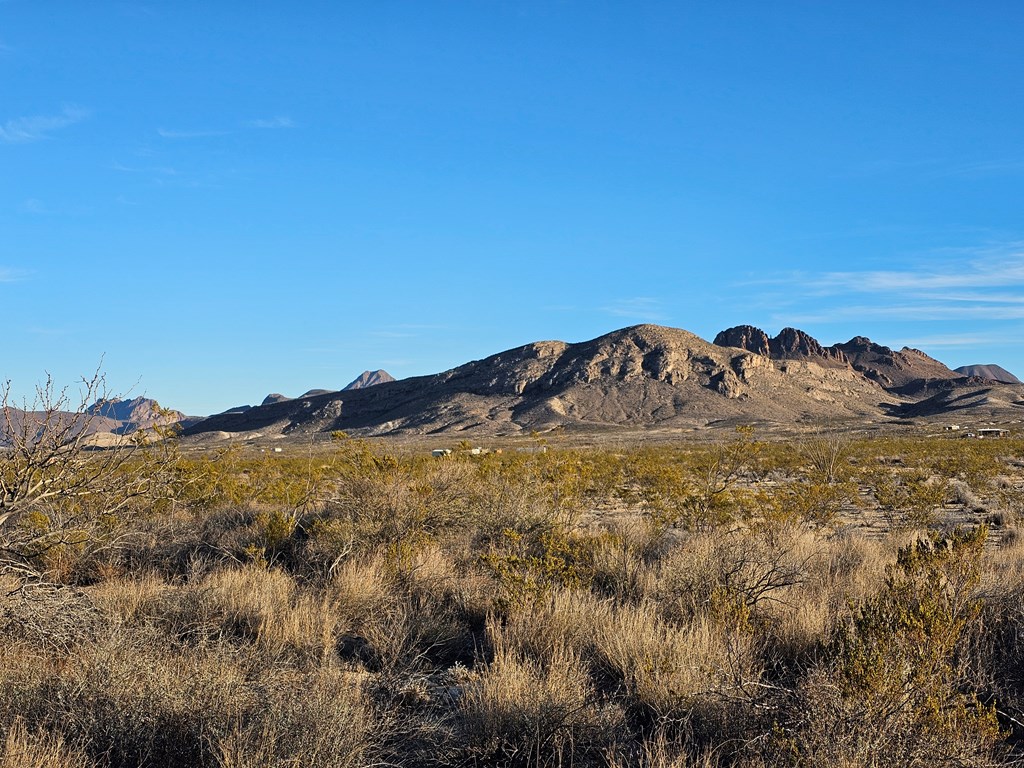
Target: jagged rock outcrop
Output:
[(794, 344), (891, 369), (746, 337), (274, 397)]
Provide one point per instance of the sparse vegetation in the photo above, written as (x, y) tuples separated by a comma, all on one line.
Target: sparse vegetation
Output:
[(744, 603)]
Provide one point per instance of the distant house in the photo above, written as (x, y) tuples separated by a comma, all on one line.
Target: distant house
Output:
[(952, 427), (993, 432)]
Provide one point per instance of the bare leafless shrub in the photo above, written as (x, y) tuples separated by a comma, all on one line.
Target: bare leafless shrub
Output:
[(63, 505), (728, 575), (46, 615)]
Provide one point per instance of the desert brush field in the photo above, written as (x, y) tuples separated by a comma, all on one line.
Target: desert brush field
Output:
[(812, 601)]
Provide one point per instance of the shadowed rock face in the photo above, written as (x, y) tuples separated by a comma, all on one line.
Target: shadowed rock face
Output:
[(745, 337), (989, 372)]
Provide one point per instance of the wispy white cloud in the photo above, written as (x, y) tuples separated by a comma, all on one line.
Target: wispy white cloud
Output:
[(908, 311), (48, 332), (279, 121), (160, 170), (167, 133), (984, 284), (9, 275), (979, 168), (645, 308), (33, 206), (21, 130), (937, 167), (960, 340)]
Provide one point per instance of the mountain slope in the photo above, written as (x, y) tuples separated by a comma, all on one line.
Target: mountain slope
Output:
[(990, 372), (645, 375)]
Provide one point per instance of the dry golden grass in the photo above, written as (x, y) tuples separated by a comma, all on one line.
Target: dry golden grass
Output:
[(23, 749), (568, 608)]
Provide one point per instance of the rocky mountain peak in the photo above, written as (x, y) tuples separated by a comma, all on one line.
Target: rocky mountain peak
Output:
[(789, 344), (793, 343), (369, 379), (746, 337)]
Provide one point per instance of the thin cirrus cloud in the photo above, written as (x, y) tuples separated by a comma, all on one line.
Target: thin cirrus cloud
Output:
[(266, 123), (976, 284), (8, 275), (960, 340), (645, 308), (156, 170), (167, 133), (21, 130), (280, 121)]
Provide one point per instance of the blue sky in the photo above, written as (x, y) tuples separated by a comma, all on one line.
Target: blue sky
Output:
[(219, 200)]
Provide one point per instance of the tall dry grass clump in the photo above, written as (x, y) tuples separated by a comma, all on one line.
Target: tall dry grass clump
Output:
[(25, 749)]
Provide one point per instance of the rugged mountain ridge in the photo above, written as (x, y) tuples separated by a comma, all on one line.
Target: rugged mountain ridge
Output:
[(644, 376), (890, 368)]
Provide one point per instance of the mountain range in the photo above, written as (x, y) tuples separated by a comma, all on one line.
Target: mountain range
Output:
[(645, 377), (106, 422)]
